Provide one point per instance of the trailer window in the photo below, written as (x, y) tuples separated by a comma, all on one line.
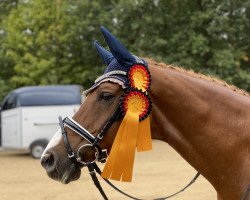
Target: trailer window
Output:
[(43, 98), (10, 102)]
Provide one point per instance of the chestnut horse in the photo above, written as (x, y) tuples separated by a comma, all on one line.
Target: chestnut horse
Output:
[(206, 121)]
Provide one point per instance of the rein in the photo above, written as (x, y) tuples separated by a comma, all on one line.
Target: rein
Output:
[(101, 154), (97, 169)]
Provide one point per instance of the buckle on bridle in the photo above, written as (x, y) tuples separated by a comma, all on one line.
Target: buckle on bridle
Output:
[(71, 155), (103, 156), (100, 136)]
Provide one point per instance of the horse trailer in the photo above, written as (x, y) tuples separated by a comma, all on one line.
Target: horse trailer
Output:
[(29, 115)]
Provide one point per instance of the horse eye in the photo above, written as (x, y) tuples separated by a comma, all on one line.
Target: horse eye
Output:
[(106, 96)]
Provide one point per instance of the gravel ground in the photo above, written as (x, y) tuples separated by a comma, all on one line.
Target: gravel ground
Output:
[(157, 173)]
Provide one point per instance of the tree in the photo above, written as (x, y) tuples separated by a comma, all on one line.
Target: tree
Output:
[(205, 35), (5, 64), (50, 42)]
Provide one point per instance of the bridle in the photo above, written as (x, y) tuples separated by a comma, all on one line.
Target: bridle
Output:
[(94, 141), (100, 154)]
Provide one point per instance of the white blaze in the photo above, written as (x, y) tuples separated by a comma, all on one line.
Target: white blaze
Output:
[(54, 141)]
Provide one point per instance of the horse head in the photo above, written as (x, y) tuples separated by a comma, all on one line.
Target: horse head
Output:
[(85, 137)]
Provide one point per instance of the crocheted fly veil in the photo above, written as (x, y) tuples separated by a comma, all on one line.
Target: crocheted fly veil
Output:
[(133, 75)]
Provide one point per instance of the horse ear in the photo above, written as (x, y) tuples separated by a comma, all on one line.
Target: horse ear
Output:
[(117, 49), (105, 55)]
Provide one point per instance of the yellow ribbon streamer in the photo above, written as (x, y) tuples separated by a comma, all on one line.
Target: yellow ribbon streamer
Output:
[(144, 141), (114, 152), (120, 162)]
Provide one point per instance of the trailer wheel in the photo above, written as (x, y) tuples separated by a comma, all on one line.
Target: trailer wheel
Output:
[(37, 148)]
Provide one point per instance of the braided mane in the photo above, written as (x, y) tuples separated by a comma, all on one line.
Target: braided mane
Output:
[(199, 75)]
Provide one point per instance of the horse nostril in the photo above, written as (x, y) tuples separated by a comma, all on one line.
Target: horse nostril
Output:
[(48, 161)]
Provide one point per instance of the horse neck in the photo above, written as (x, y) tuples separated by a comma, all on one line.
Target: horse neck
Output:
[(204, 122)]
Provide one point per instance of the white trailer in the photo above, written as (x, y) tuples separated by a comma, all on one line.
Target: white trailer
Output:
[(29, 115)]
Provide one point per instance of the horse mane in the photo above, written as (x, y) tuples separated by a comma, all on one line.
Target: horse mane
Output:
[(200, 76)]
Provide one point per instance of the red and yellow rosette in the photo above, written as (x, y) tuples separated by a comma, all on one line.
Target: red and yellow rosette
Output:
[(139, 78), (134, 131)]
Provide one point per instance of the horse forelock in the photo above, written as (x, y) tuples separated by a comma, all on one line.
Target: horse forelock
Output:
[(199, 75)]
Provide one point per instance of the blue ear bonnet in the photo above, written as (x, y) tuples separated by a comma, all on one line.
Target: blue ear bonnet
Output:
[(118, 61)]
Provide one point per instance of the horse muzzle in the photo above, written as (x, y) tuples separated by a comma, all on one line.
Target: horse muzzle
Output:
[(48, 161), (65, 172)]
